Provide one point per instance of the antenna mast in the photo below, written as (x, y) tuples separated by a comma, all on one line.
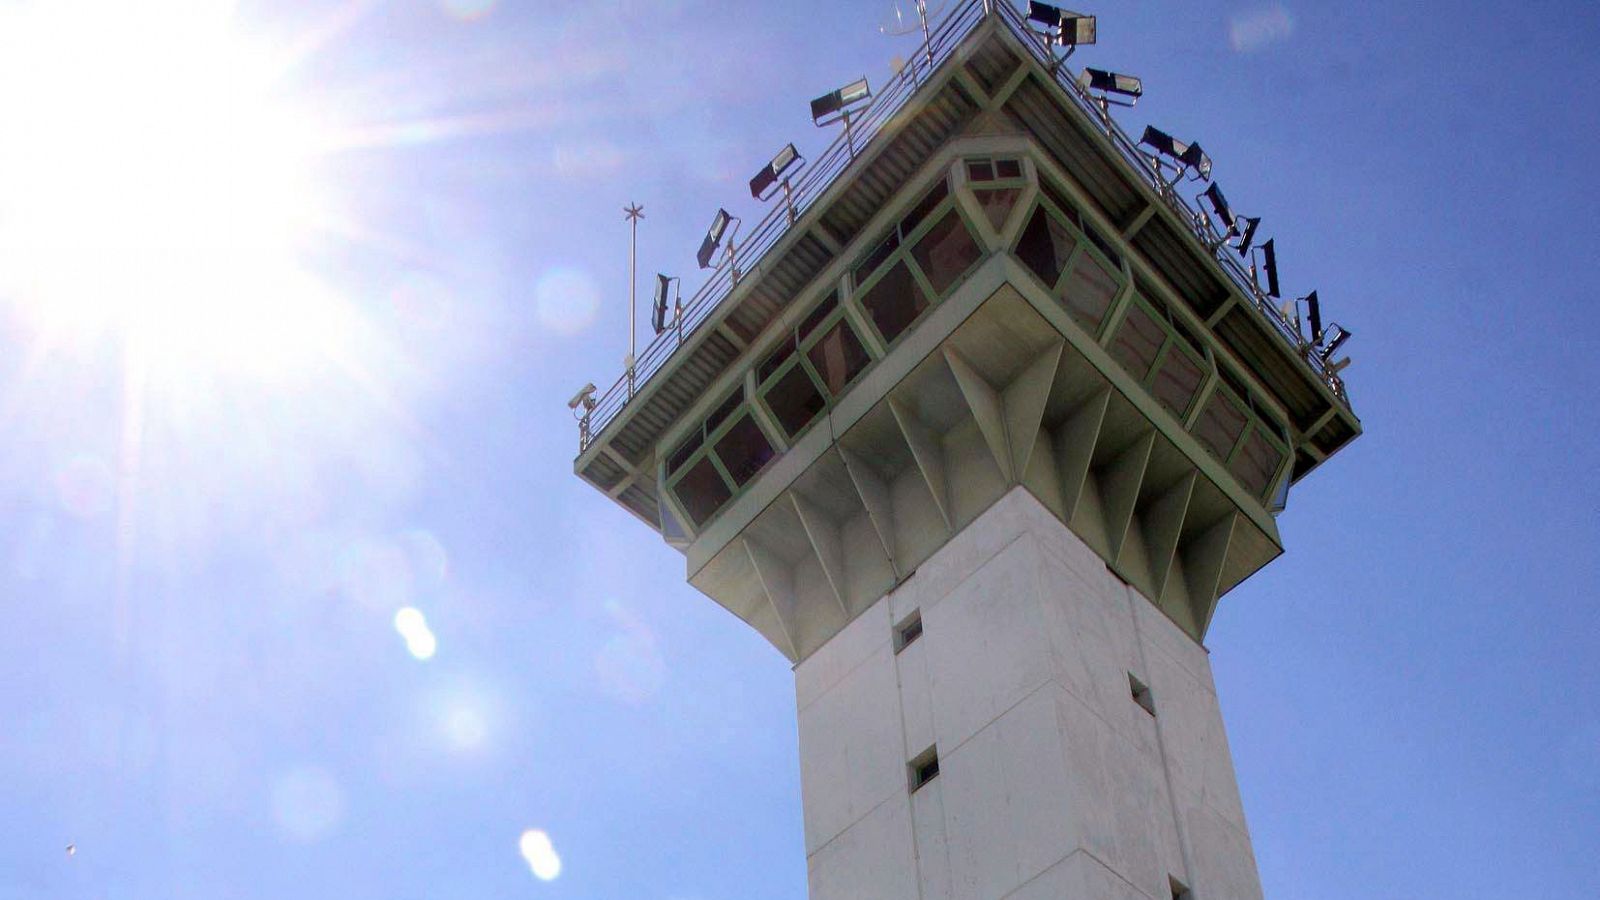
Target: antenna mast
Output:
[(632, 213)]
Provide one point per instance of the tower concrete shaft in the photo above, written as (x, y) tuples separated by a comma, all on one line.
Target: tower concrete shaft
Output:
[(1055, 778), (976, 436)]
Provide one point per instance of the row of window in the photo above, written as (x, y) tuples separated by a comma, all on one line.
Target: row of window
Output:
[(1151, 342), (919, 261)]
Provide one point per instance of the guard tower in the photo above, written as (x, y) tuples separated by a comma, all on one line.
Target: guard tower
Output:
[(976, 429)]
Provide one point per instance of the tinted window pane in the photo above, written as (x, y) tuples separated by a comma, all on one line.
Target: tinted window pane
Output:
[(1060, 200), (815, 317), (743, 449), (1178, 381), (929, 200), (794, 400), (1088, 291), (1102, 245), (684, 451), (702, 491), (980, 170), (838, 357), (894, 302), (1256, 463), (721, 413), (876, 257), (775, 359), (1042, 249), (997, 205), (1220, 424), (946, 252), (1138, 341), (1008, 168)]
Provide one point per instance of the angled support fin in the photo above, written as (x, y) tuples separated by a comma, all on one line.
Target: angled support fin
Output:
[(1120, 483), (984, 401), (824, 537), (777, 580), (1024, 401), (929, 455), (1075, 441)]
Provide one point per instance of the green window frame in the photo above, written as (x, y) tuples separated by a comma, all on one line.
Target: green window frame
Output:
[(1084, 251), (1179, 350), (996, 184), (696, 473), (793, 366), (903, 246), (1259, 430)]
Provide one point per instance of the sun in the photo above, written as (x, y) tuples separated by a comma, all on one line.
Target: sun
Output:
[(158, 183)]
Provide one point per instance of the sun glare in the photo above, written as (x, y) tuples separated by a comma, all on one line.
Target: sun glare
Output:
[(155, 183)]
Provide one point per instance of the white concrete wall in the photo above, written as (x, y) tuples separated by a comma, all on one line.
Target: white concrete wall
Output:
[(1053, 782)]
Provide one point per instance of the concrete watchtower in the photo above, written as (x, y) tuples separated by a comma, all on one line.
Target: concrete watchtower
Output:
[(976, 432)]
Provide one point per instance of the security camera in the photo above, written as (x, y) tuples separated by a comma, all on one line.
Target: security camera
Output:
[(583, 398)]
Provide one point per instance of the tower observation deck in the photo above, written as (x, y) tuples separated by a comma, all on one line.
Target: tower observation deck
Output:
[(976, 433)]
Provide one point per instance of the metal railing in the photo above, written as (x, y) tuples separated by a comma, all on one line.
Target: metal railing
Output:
[(852, 142), (1197, 221)]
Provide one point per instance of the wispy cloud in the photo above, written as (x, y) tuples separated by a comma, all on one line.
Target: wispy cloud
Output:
[(1253, 30)]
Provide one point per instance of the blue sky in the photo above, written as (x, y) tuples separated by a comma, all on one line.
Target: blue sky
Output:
[(203, 545)]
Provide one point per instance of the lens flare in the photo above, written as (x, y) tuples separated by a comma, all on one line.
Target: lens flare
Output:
[(540, 854), (413, 627)]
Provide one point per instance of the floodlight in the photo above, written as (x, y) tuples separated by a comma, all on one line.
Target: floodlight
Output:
[(584, 398), (1188, 156), (1340, 335), (840, 102), (1251, 223), (1163, 143), (772, 171), (1196, 159), (1068, 28), (719, 225), (1314, 312), (843, 105), (1219, 205), (1108, 83), (658, 311), (1269, 263)]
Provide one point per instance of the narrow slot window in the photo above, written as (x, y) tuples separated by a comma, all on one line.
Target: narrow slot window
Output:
[(907, 632), (924, 768), (1141, 694)]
